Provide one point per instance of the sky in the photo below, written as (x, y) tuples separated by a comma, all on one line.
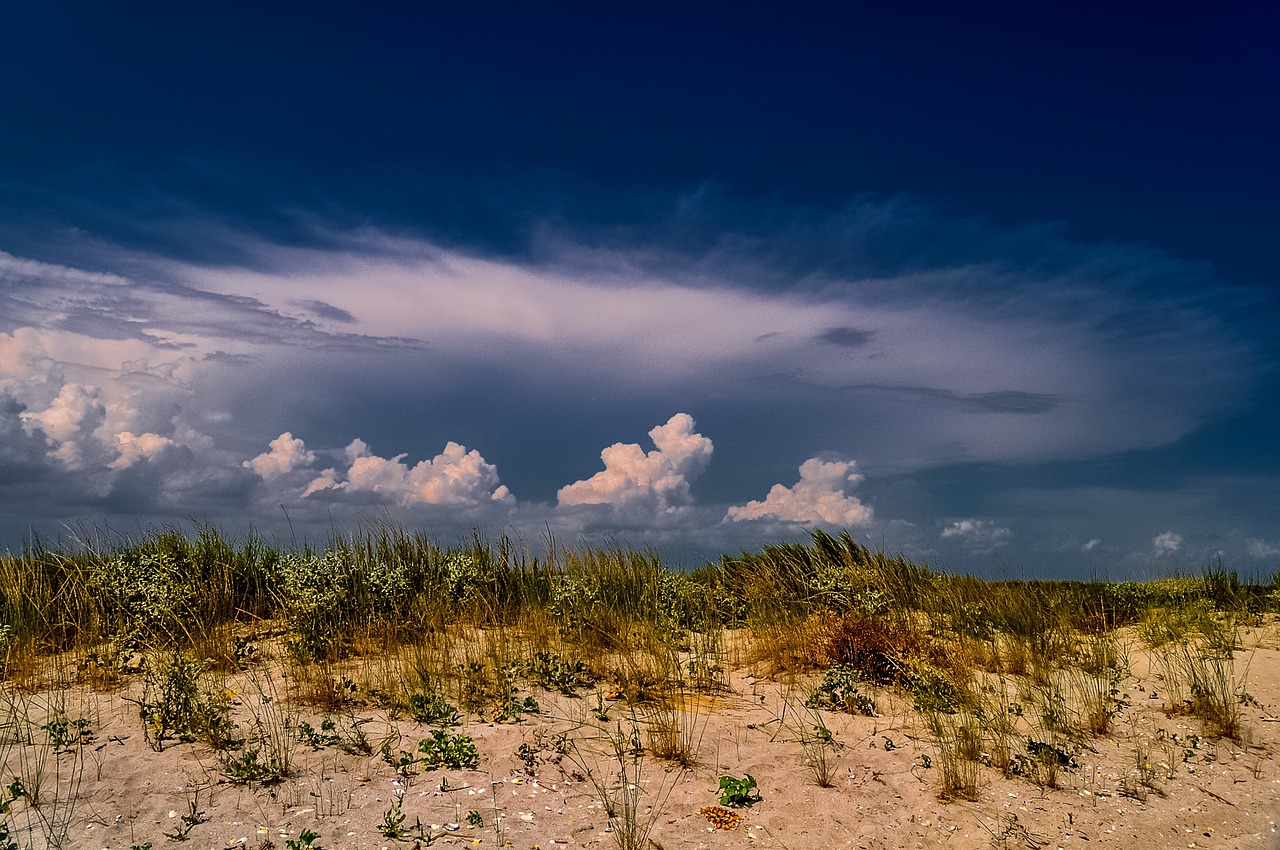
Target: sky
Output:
[(992, 285)]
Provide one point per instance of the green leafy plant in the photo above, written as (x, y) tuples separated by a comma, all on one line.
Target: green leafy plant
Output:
[(445, 750), (249, 766), (349, 737), (839, 692), (392, 825), (552, 671), (475, 819), (510, 707), (306, 839), (431, 707), (739, 793), (63, 733), (404, 763)]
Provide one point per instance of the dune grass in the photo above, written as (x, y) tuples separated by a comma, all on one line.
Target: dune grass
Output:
[(1003, 676)]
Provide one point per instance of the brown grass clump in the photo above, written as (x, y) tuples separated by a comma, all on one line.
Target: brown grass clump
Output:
[(885, 649)]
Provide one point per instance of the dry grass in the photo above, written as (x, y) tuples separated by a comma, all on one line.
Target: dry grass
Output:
[(1007, 677)]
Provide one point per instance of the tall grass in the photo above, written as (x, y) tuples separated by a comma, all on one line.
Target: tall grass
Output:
[(473, 623)]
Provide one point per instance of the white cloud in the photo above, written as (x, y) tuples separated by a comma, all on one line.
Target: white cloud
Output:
[(1167, 543), (455, 477), (977, 534), (70, 423), (134, 448), (286, 454), (1091, 545), (638, 483), (819, 497), (103, 405), (1259, 548)]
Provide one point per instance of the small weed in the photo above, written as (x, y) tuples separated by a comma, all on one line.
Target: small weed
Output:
[(193, 818), (392, 825), (350, 739), (511, 708), (546, 749), (405, 763), (306, 839), (64, 733), (739, 793), (550, 670), (173, 707), (308, 735), (475, 820)]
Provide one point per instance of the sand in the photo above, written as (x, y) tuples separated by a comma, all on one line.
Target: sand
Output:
[(1220, 794)]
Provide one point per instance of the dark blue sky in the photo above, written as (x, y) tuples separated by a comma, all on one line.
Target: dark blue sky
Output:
[(1016, 265)]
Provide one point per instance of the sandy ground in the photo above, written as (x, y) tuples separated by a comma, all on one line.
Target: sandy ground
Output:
[(1223, 794)]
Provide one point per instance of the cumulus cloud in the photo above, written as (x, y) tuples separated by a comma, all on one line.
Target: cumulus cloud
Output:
[(1167, 543), (977, 534), (140, 447), (1091, 545), (285, 454), (455, 477), (819, 497), (637, 482), (72, 421), (100, 405)]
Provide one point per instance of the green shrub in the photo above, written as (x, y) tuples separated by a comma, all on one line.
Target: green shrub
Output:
[(431, 707), (839, 692), (550, 670), (325, 597), (175, 707), (144, 593), (445, 750)]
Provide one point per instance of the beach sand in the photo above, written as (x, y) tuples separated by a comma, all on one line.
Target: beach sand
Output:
[(884, 784)]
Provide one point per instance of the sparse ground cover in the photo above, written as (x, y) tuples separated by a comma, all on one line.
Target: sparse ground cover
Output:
[(388, 692)]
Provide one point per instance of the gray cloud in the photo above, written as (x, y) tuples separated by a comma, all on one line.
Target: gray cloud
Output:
[(325, 311), (847, 337), (1000, 401)]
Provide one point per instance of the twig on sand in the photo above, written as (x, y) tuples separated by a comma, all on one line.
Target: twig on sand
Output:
[(1215, 796)]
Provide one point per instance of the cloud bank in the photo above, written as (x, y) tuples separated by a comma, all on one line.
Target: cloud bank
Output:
[(135, 383)]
